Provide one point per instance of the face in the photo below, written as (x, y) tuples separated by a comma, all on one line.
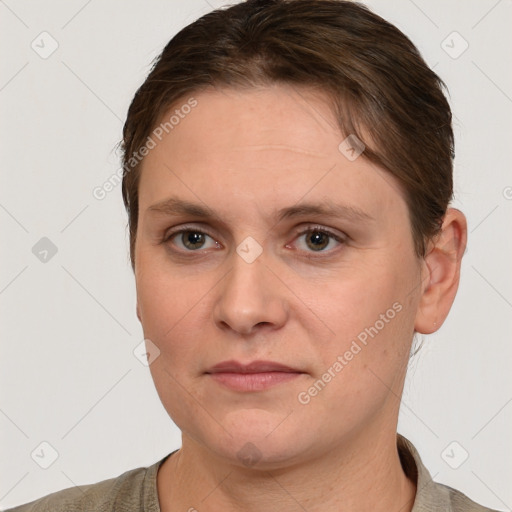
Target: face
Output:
[(332, 295)]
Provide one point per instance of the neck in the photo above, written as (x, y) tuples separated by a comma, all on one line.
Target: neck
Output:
[(364, 473)]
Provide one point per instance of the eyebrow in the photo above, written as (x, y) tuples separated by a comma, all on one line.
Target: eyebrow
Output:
[(174, 206)]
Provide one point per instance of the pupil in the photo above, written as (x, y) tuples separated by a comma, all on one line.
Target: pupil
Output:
[(193, 238), (317, 237)]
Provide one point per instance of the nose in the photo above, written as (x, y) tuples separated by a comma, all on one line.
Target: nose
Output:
[(250, 298)]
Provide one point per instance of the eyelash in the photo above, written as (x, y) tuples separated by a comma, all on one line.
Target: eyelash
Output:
[(310, 229)]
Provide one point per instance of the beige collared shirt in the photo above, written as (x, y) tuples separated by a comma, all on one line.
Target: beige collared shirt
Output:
[(136, 491), (432, 496)]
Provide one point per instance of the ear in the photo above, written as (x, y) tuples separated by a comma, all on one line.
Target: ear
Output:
[(441, 272)]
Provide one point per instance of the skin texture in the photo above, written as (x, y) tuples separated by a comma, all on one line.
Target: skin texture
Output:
[(246, 154)]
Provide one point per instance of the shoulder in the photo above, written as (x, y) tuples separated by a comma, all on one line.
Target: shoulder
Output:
[(132, 491), (432, 496), (459, 501)]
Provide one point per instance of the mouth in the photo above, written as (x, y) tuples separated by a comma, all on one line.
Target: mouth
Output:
[(252, 367), (254, 376)]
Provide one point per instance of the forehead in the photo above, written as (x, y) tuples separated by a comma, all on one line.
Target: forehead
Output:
[(279, 117), (272, 145)]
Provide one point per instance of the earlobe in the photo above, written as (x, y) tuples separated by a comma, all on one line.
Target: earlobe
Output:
[(441, 273)]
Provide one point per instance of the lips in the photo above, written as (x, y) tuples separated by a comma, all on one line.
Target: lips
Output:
[(256, 376), (252, 367)]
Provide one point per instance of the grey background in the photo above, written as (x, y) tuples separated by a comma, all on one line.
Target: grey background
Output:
[(68, 373)]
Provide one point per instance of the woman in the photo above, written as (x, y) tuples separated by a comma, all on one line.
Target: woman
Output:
[(287, 176)]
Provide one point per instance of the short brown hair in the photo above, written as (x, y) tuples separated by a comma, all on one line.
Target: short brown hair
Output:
[(380, 89)]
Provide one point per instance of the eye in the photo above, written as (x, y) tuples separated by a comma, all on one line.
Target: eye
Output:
[(319, 239), (191, 239)]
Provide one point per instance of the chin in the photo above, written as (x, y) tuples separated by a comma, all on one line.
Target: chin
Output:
[(261, 455), (257, 441)]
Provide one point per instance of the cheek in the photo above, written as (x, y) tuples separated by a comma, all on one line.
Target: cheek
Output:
[(164, 294), (156, 304), (358, 300), (175, 310), (170, 309), (364, 364), (372, 315)]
